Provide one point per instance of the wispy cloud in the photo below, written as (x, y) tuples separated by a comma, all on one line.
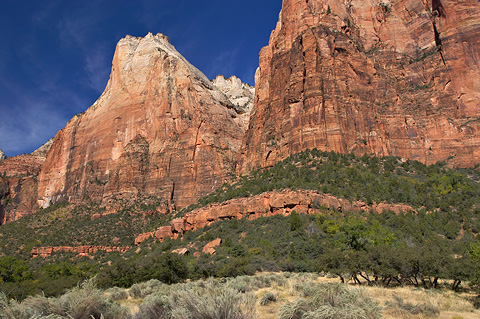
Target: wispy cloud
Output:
[(76, 30), (39, 121), (97, 63), (225, 62)]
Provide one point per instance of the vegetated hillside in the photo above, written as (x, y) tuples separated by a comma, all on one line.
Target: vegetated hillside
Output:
[(383, 249), (367, 178), (67, 225)]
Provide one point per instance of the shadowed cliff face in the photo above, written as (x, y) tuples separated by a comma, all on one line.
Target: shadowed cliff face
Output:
[(386, 77), (160, 128), (18, 185)]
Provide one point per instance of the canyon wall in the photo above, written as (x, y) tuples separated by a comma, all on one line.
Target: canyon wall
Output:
[(160, 128), (385, 77), (18, 184)]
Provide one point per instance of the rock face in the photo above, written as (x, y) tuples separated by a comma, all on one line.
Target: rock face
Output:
[(389, 77), (160, 128), (240, 94), (384, 77), (264, 205), (43, 150), (18, 186)]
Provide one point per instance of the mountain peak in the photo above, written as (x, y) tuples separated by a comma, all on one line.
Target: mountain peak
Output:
[(161, 128)]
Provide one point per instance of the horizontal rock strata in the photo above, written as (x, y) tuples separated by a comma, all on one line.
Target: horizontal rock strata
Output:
[(79, 250)]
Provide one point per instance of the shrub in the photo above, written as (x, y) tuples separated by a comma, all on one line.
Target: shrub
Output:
[(141, 290), (238, 283), (213, 302), (294, 310), (332, 301), (154, 307), (268, 298), (426, 308), (116, 293), (10, 309), (82, 302), (198, 300)]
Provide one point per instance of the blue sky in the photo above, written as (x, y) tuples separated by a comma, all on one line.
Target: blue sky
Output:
[(55, 56)]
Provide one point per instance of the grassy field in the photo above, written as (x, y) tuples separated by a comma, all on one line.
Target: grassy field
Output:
[(265, 295), (397, 302)]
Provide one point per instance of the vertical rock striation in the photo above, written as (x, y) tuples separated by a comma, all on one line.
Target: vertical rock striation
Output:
[(160, 128), (387, 77)]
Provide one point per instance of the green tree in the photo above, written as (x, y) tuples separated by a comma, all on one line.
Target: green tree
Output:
[(296, 222)]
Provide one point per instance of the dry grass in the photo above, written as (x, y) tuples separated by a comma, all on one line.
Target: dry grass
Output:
[(450, 305), (132, 304), (399, 302)]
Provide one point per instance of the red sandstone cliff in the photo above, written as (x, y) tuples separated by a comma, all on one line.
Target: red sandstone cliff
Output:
[(18, 184), (389, 77), (386, 77), (160, 128)]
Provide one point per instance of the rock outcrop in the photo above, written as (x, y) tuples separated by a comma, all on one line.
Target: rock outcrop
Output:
[(160, 128), (43, 150), (240, 94), (388, 77), (264, 205), (81, 251), (210, 247)]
